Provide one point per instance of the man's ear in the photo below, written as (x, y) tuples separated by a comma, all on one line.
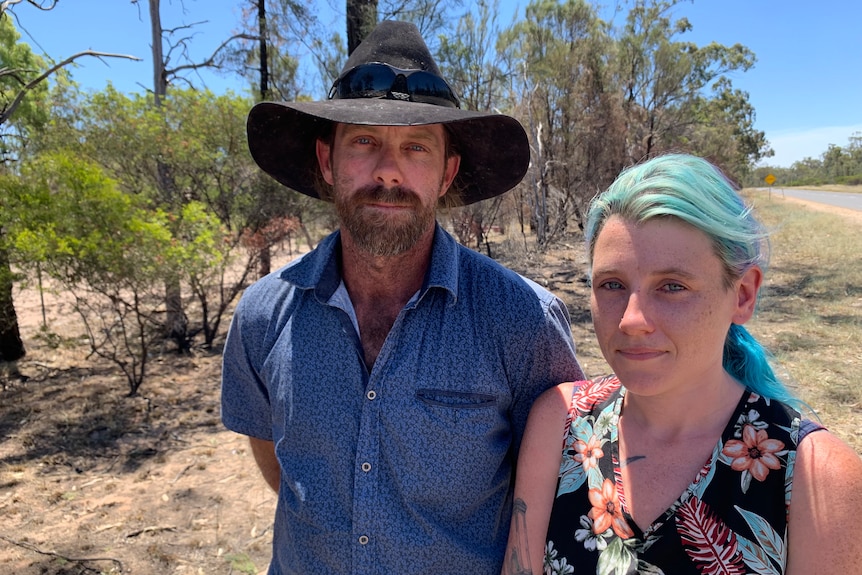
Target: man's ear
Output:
[(324, 160), (453, 163), (747, 288)]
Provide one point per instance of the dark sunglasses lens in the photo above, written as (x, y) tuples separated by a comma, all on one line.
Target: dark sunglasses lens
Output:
[(376, 80), (425, 87), (365, 82)]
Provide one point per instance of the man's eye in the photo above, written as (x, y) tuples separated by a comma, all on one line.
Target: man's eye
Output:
[(612, 285), (673, 287)]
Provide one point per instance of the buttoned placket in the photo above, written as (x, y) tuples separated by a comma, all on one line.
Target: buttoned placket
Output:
[(366, 512), (365, 496)]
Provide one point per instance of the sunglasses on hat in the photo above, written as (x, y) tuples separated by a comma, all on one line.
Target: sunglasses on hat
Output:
[(379, 80)]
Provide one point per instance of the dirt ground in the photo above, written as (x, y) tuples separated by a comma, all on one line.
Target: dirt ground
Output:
[(92, 481)]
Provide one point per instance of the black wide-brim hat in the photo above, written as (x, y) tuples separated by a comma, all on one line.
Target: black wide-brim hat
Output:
[(282, 136)]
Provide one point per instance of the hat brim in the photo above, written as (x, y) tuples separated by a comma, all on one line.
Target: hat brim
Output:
[(494, 150)]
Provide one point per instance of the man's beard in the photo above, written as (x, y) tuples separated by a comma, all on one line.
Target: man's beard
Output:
[(375, 232)]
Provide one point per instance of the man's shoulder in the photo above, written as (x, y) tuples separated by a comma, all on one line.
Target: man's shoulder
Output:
[(302, 272), (490, 272)]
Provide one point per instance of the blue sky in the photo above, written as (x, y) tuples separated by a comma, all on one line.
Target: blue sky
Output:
[(806, 86)]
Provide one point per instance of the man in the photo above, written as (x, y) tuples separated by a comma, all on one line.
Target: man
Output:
[(384, 378)]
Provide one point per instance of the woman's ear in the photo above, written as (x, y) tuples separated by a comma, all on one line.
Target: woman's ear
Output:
[(747, 288)]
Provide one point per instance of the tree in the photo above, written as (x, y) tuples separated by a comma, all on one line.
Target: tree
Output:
[(23, 91), (277, 73), (202, 138), (361, 20), (104, 250), (469, 60), (665, 83), (570, 108), (176, 321), (17, 60)]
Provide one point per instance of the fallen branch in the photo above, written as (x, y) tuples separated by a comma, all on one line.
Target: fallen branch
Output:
[(151, 529), (79, 560)]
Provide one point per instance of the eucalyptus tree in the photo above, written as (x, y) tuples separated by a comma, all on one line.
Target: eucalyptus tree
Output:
[(18, 61), (671, 87), (723, 130), (470, 61), (23, 111), (201, 136), (102, 246), (570, 107), (269, 61), (168, 44)]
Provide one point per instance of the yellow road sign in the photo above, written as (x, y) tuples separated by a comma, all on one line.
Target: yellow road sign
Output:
[(770, 179)]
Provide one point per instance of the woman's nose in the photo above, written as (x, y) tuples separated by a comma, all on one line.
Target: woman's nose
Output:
[(635, 316)]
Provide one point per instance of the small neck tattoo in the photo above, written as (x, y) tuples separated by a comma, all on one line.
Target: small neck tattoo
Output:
[(632, 459)]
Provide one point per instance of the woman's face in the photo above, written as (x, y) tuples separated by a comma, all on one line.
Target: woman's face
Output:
[(661, 308)]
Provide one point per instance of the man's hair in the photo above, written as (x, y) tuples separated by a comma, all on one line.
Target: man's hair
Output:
[(696, 192)]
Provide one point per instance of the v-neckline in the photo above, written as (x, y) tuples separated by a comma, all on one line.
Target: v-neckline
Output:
[(702, 473)]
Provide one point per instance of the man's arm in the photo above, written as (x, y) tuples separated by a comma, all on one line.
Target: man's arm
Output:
[(264, 456)]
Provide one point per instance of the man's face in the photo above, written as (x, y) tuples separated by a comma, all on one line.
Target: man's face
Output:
[(386, 181)]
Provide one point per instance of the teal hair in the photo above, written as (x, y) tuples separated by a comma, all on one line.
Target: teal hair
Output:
[(696, 192)]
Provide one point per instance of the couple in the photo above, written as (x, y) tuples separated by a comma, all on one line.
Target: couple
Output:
[(385, 378)]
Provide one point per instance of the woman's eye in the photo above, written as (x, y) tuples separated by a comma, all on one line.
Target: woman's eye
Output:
[(611, 285)]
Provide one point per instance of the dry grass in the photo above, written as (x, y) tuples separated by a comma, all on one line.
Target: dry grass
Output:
[(810, 313)]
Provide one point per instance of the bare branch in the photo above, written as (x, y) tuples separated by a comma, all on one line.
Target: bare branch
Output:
[(209, 62), (38, 5), (7, 113), (14, 73)]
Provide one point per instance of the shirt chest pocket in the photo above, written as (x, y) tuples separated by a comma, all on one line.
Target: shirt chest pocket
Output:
[(456, 399), (459, 428)]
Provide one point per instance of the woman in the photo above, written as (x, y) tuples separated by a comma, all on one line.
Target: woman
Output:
[(693, 457)]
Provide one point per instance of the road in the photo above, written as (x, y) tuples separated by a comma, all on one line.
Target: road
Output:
[(837, 199)]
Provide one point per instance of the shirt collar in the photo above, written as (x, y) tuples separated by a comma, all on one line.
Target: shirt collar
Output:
[(319, 269)]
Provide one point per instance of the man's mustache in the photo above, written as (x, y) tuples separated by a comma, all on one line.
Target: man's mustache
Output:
[(382, 194)]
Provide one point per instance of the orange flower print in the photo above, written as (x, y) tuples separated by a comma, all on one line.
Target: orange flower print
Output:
[(755, 453), (588, 453), (606, 511)]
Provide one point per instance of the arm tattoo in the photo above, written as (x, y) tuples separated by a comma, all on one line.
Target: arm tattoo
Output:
[(518, 557)]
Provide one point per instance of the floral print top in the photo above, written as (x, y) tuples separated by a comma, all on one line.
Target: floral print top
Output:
[(731, 520)]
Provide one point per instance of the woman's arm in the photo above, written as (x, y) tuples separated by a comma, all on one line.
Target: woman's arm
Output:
[(536, 481), (825, 508)]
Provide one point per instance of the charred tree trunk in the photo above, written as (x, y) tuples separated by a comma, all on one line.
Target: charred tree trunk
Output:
[(361, 19), (176, 322), (11, 345), (265, 256)]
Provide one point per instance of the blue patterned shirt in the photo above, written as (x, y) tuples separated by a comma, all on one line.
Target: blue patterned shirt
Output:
[(405, 469)]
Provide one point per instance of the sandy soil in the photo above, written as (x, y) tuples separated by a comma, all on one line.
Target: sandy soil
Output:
[(92, 481)]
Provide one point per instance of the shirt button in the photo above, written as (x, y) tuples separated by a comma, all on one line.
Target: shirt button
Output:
[(366, 467), (363, 540), (371, 394)]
